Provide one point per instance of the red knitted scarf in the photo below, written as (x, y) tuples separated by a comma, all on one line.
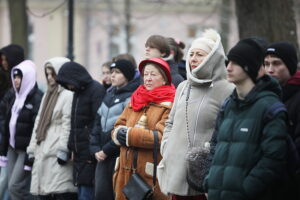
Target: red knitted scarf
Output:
[(142, 97)]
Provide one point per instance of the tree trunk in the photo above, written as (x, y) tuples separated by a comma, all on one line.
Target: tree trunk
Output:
[(273, 20), (225, 21), (19, 23)]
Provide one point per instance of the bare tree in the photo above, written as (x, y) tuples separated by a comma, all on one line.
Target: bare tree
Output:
[(273, 20), (18, 23)]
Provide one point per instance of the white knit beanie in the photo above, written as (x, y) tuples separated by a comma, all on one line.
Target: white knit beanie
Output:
[(207, 41)]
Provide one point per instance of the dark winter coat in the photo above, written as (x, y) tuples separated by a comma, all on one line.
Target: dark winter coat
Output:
[(249, 157), (25, 121), (111, 108), (88, 95), (176, 77), (291, 98)]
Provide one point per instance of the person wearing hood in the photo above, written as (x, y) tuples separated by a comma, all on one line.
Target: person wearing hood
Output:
[(101, 145), (20, 117), (10, 56), (281, 63), (88, 95), (158, 46), (51, 174), (250, 154), (192, 119)]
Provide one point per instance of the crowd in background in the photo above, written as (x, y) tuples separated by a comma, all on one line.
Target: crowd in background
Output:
[(228, 126)]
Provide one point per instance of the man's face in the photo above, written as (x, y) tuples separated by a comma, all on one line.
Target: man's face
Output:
[(236, 74), (275, 67)]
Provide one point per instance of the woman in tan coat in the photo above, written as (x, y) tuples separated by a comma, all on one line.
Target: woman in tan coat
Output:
[(147, 111)]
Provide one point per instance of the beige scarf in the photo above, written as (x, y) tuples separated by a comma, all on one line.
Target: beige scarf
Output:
[(46, 113)]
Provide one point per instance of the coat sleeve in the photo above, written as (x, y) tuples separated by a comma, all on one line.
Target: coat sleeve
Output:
[(95, 139), (4, 106), (271, 166), (143, 138), (170, 120), (296, 134), (66, 122)]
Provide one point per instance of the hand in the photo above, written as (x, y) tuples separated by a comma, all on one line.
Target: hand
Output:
[(100, 156), (61, 162), (121, 136)]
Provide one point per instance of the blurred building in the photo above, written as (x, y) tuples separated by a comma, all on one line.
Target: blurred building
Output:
[(100, 27)]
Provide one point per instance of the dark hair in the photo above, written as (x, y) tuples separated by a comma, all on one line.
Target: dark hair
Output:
[(176, 47), (125, 56), (159, 42), (106, 64)]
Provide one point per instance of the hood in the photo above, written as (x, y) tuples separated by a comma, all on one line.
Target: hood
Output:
[(295, 80), (56, 63), (292, 87), (72, 73), (14, 54), (265, 86), (212, 67), (28, 70)]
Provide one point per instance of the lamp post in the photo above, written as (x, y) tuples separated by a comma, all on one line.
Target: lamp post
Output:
[(70, 29)]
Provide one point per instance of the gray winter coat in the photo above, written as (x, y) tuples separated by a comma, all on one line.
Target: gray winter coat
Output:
[(209, 88)]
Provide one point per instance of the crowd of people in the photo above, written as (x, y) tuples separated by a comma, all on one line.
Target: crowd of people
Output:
[(212, 126)]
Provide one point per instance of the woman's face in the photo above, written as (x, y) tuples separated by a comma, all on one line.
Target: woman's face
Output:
[(4, 62), (117, 78), (106, 75), (50, 75), (152, 77), (17, 82), (196, 57), (152, 52)]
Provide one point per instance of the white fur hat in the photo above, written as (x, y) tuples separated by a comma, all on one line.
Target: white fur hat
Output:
[(207, 41)]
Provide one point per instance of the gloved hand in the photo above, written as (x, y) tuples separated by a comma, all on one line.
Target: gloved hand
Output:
[(62, 157), (61, 162), (121, 136)]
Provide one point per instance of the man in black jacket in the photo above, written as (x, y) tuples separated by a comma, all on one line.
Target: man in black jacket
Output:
[(88, 95), (281, 63)]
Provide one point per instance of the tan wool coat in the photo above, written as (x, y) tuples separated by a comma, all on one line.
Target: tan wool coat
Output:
[(142, 140)]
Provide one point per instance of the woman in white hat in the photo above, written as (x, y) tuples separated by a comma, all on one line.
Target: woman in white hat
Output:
[(192, 118)]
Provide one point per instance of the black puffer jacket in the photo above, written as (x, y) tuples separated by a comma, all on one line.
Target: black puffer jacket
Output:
[(25, 120), (88, 95)]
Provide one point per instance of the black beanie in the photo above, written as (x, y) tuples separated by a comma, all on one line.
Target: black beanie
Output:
[(286, 52), (249, 55), (126, 67), (17, 72)]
